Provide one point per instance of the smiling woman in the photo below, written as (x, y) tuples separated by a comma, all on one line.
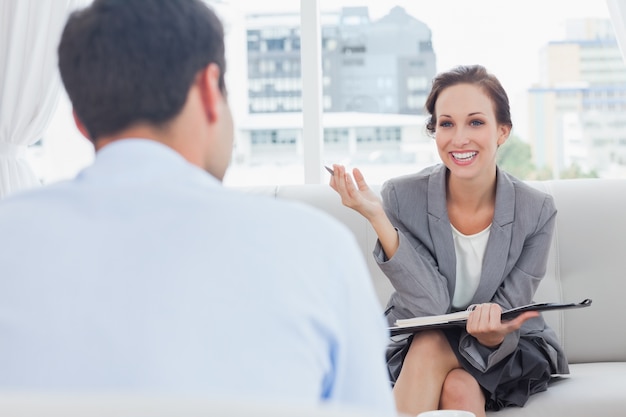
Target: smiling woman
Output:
[(440, 234), (566, 81)]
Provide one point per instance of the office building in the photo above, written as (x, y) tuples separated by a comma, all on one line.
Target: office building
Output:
[(577, 109), (371, 68)]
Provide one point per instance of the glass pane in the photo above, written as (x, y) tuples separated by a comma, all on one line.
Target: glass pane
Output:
[(62, 151), (561, 67), (264, 67), (264, 91)]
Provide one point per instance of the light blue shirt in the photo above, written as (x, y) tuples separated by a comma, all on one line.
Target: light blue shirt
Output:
[(144, 274)]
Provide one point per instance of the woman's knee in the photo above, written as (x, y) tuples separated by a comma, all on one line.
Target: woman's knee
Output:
[(460, 390)]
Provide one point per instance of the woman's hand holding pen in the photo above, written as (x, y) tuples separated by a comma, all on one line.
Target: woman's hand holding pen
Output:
[(358, 197), (485, 324), (362, 199)]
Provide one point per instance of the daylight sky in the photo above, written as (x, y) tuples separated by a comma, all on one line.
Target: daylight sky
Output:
[(503, 35)]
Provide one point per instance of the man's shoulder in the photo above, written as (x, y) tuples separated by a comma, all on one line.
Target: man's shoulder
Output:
[(37, 199)]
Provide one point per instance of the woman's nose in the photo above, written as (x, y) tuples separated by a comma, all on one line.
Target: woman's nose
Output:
[(460, 138)]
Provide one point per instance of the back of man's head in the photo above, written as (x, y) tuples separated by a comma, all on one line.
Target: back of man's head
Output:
[(133, 61)]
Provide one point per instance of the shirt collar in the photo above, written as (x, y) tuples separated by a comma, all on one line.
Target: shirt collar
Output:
[(139, 159)]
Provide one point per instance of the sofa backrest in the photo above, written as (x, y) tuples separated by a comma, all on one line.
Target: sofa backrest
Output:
[(586, 259)]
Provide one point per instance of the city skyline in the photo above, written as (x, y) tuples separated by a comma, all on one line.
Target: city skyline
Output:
[(452, 41), (476, 33)]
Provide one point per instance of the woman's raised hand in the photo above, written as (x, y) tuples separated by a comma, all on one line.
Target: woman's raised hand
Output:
[(361, 198), (357, 196)]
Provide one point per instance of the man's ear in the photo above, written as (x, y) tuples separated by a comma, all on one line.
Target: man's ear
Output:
[(80, 126), (208, 83)]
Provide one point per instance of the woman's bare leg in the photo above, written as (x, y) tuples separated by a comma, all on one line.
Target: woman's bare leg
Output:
[(462, 392), (426, 365)]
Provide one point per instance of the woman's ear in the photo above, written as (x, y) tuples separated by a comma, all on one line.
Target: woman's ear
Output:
[(503, 133)]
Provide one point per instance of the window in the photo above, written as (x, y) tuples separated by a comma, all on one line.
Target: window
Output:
[(275, 44), (566, 81)]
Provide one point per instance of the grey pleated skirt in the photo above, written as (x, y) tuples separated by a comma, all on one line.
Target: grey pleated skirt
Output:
[(511, 382)]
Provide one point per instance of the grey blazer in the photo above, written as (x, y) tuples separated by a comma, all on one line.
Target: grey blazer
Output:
[(423, 270)]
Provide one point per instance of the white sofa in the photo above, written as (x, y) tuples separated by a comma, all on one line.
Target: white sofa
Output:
[(587, 260)]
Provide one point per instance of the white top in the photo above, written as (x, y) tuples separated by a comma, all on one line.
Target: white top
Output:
[(470, 251), (145, 274)]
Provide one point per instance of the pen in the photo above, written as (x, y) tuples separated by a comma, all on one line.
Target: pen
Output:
[(329, 170), (389, 310)]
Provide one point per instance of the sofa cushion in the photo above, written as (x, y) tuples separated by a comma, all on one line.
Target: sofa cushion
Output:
[(590, 390)]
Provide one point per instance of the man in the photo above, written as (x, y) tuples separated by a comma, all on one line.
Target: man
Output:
[(144, 274)]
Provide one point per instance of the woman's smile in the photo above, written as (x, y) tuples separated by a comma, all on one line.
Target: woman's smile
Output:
[(463, 158)]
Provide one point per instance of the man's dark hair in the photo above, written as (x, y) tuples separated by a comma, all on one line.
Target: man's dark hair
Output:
[(129, 61)]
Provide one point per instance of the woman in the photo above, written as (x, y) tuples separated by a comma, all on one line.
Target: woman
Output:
[(460, 233)]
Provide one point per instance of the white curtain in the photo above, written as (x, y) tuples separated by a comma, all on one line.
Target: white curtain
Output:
[(617, 10), (29, 82)]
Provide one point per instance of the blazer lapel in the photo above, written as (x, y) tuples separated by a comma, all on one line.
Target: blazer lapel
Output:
[(497, 251), (439, 224)]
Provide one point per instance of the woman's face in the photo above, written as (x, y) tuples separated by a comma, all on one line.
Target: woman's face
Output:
[(467, 132)]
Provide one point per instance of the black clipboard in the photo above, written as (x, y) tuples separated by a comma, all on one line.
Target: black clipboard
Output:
[(506, 315)]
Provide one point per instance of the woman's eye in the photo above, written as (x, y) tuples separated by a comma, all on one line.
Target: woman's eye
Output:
[(445, 124), (477, 123)]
